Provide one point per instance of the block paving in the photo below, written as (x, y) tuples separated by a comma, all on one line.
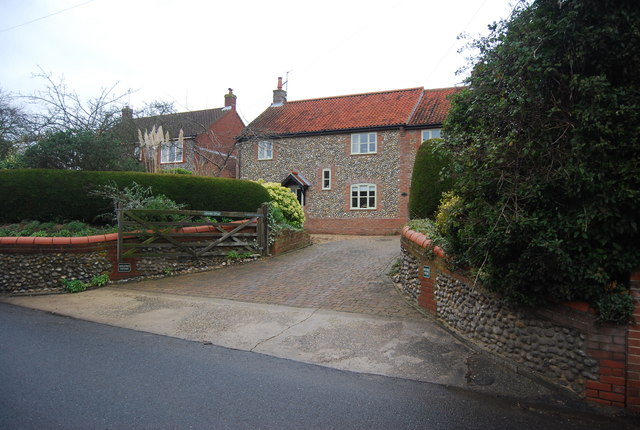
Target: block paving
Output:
[(347, 274)]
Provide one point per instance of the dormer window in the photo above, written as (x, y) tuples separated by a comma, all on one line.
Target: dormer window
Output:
[(265, 150), (364, 143)]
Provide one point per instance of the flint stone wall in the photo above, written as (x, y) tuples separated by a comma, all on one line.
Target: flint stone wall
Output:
[(309, 155), (38, 265), (561, 343)]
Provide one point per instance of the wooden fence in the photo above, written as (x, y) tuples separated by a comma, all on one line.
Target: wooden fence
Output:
[(188, 233)]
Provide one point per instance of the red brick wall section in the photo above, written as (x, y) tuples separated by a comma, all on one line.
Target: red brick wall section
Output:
[(633, 350), (289, 240), (607, 345), (363, 226)]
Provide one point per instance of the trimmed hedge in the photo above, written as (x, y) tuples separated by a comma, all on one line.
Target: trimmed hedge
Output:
[(45, 195), (427, 181)]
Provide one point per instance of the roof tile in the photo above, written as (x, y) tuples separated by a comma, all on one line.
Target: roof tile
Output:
[(191, 123), (408, 107)]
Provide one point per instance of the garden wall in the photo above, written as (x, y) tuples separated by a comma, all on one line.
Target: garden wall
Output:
[(562, 343), (30, 265)]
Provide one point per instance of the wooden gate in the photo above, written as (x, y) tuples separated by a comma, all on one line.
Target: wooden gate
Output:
[(187, 233)]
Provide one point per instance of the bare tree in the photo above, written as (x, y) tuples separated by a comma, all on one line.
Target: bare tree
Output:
[(15, 124), (59, 108), (156, 108)]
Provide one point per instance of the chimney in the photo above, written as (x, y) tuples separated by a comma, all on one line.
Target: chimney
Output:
[(127, 113), (230, 99), (279, 95)]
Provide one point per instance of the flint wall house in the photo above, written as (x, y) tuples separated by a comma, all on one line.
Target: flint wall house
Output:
[(348, 158)]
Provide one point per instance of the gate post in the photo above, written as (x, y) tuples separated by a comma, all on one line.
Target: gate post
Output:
[(262, 229), (119, 242)]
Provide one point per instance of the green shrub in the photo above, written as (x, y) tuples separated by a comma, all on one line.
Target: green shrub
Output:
[(546, 142), (282, 198), (430, 178), (178, 171), (76, 285), (428, 228), (137, 197), (48, 195)]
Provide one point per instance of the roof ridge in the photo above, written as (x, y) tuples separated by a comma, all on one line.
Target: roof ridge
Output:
[(179, 113), (415, 107), (355, 95)]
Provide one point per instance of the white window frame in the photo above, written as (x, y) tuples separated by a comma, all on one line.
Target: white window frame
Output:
[(430, 133), (171, 152), (364, 143), (265, 150), (363, 191), (326, 179)]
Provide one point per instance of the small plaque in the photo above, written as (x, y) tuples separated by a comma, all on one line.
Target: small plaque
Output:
[(211, 213), (426, 271), (124, 267)]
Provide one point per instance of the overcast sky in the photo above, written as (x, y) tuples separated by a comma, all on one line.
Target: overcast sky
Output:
[(191, 51)]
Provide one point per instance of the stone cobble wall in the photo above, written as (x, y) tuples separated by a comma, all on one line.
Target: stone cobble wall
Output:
[(563, 343), (309, 155), (32, 268), (408, 274), (44, 272), (556, 352)]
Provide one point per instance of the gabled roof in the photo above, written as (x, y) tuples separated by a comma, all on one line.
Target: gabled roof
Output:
[(296, 178), (192, 123), (396, 108)]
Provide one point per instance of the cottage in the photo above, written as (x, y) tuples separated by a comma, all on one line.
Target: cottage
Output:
[(347, 158), (208, 146)]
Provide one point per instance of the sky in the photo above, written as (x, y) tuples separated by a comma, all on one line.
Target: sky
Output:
[(190, 52)]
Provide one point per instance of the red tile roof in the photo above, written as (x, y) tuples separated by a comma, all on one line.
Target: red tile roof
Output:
[(433, 106), (409, 107)]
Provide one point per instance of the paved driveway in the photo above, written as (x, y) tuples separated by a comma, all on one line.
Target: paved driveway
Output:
[(345, 275)]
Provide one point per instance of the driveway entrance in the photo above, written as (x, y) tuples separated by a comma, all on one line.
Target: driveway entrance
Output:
[(344, 275)]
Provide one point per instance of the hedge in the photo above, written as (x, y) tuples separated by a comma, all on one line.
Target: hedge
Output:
[(427, 180), (47, 195)]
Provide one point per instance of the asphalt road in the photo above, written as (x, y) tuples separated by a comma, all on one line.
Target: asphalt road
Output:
[(62, 373)]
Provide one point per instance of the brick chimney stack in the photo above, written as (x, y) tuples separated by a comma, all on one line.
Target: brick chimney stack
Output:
[(230, 99), (279, 95), (127, 113)]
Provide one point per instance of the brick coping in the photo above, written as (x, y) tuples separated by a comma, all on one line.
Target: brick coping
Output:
[(83, 240)]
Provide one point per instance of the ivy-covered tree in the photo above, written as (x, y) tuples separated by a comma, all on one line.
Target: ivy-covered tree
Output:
[(546, 152)]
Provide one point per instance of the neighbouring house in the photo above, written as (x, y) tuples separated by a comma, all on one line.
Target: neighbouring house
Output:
[(208, 144), (348, 158)]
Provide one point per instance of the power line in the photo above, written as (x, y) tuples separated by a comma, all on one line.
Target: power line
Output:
[(46, 16)]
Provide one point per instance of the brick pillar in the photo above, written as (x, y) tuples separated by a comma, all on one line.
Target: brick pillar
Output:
[(427, 298), (633, 350)]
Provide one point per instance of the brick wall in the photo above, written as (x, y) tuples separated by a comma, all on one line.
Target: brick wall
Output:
[(633, 351), (289, 240), (561, 343), (373, 226)]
